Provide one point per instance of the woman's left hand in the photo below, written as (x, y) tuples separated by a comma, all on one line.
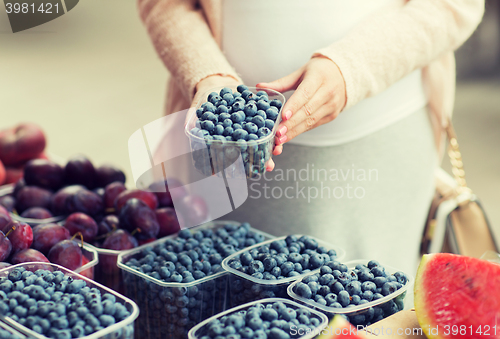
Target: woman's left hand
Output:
[(319, 97)]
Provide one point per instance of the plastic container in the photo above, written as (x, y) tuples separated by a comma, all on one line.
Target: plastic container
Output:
[(358, 314), (215, 157), (161, 316), (199, 330), (244, 288), (88, 269), (7, 190), (13, 334), (121, 330)]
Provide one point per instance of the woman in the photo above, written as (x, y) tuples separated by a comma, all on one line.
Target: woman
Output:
[(372, 82)]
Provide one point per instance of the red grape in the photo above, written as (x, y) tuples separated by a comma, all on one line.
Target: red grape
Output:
[(44, 173), (79, 170), (169, 224), (67, 253), (36, 213), (80, 222), (111, 192), (136, 214), (46, 236), (32, 196), (148, 197)]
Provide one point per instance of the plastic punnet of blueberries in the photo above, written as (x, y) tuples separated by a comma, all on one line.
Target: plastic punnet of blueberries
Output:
[(236, 123), (179, 281), (337, 289), (57, 305), (266, 270), (269, 318)]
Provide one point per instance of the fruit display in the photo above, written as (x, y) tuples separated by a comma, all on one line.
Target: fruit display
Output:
[(458, 295), (339, 328), (18, 145), (235, 123), (20, 243), (54, 302), (178, 281), (271, 318), (265, 270), (364, 292)]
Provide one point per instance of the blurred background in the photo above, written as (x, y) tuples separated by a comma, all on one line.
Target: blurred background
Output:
[(91, 78)]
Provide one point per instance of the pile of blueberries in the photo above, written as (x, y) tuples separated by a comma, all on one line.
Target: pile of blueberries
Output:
[(242, 117), (281, 259), (58, 306), (274, 320), (336, 287), (174, 304)]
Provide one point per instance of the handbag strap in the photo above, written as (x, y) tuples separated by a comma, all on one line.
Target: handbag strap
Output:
[(457, 165)]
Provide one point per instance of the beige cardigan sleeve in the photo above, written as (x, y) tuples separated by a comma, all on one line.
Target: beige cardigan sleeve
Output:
[(184, 42), (385, 48)]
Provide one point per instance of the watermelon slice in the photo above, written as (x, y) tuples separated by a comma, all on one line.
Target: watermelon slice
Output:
[(458, 297), (339, 327)]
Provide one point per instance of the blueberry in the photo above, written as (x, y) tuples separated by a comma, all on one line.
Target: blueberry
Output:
[(380, 281), (272, 113), (276, 103), (255, 323), (353, 288), (219, 129), (241, 88), (251, 128), (252, 136), (250, 110), (388, 288), (237, 118), (259, 121), (343, 298), (316, 261), (378, 271), (367, 295), (240, 134), (269, 263), (337, 287), (401, 278), (263, 105), (289, 314), (368, 286), (377, 296), (208, 125), (269, 314), (303, 290), (286, 268), (247, 95)]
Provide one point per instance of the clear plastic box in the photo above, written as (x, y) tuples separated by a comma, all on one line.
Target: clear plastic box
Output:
[(13, 334), (216, 157), (364, 310), (199, 330), (163, 310), (88, 269), (244, 288), (7, 190), (107, 271), (121, 330)]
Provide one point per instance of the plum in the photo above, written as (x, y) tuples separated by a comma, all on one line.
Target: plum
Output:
[(13, 174), (28, 255), (80, 222), (147, 197), (99, 191), (32, 196), (193, 210), (8, 202), (85, 201), (67, 253), (136, 214), (169, 223), (46, 236), (145, 241), (17, 187), (118, 240), (108, 224), (106, 174), (21, 143), (167, 191), (60, 200), (5, 218), (20, 235), (3, 174), (5, 246), (111, 192), (79, 170), (36, 213), (44, 173)]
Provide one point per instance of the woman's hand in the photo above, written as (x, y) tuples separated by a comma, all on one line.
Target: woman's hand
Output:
[(319, 97)]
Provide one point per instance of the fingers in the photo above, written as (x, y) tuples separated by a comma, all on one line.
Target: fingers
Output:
[(284, 84), (278, 149), (270, 165), (322, 116)]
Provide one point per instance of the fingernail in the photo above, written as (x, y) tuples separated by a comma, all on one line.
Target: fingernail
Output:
[(288, 114), (282, 131), (282, 139)]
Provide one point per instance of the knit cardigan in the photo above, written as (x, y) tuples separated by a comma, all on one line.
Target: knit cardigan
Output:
[(375, 54)]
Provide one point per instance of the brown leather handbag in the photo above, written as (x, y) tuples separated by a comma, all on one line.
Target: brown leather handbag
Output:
[(457, 222)]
